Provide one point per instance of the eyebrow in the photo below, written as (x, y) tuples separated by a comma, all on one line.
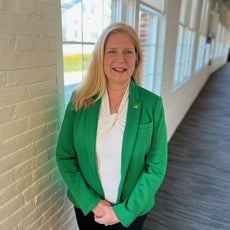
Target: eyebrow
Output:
[(113, 48)]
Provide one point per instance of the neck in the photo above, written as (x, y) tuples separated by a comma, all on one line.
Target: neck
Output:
[(115, 96), (116, 89)]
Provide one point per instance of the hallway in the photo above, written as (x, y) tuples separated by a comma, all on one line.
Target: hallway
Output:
[(195, 194)]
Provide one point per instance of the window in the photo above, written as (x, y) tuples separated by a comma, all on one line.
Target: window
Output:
[(200, 53), (124, 11), (79, 36), (185, 43), (220, 47), (150, 24), (203, 52), (151, 33), (155, 4)]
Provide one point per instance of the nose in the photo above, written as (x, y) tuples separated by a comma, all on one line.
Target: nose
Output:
[(120, 57)]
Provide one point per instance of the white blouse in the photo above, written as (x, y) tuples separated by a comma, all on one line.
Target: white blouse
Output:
[(109, 145)]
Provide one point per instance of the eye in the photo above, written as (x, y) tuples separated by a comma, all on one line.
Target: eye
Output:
[(129, 52), (110, 52)]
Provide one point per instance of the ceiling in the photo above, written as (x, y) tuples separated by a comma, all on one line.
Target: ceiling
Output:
[(224, 12), (227, 3)]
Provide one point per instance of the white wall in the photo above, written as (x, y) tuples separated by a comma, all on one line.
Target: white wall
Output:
[(32, 193)]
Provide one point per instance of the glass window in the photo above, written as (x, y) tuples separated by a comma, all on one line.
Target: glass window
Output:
[(156, 4), (185, 43), (220, 46), (202, 55), (150, 35), (178, 55), (79, 36), (207, 54), (147, 34)]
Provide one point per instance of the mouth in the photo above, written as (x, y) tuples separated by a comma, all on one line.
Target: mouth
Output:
[(119, 70)]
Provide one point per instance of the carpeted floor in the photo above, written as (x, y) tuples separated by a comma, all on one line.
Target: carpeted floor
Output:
[(195, 194)]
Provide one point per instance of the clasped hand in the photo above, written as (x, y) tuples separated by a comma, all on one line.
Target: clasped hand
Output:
[(104, 214)]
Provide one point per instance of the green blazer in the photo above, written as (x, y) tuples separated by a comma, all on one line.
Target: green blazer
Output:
[(144, 156)]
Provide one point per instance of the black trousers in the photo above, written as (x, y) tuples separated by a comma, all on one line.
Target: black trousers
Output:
[(87, 223)]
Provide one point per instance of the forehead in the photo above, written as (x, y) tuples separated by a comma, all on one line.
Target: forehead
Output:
[(119, 39)]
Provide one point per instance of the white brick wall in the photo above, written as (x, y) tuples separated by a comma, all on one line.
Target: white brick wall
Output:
[(32, 194)]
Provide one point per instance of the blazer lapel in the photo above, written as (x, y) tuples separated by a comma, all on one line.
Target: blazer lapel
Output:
[(130, 132), (90, 138)]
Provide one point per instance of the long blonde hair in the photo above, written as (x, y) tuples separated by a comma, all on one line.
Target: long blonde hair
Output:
[(93, 86)]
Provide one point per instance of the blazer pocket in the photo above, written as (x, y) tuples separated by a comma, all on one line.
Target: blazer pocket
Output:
[(144, 135), (143, 142), (145, 125)]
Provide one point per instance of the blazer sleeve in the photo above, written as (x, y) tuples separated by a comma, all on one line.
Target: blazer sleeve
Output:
[(80, 194), (141, 200)]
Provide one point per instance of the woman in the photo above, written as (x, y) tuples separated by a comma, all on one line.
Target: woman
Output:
[(112, 148)]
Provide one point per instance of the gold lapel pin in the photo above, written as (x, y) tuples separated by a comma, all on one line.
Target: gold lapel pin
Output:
[(135, 106)]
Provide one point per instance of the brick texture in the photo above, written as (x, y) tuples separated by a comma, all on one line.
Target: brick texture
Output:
[(32, 192)]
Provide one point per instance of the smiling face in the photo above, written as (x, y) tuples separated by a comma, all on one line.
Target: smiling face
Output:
[(119, 59)]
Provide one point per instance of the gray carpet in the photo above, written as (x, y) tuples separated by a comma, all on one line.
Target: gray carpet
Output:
[(195, 194)]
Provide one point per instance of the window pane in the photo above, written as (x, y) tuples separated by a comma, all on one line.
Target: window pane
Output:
[(82, 23), (200, 54), (96, 15), (148, 35), (71, 20), (207, 54), (178, 64), (73, 64), (157, 4), (191, 50), (184, 54)]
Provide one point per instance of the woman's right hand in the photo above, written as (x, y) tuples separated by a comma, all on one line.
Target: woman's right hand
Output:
[(98, 210)]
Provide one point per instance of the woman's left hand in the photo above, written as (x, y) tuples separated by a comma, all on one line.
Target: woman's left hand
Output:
[(109, 218)]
